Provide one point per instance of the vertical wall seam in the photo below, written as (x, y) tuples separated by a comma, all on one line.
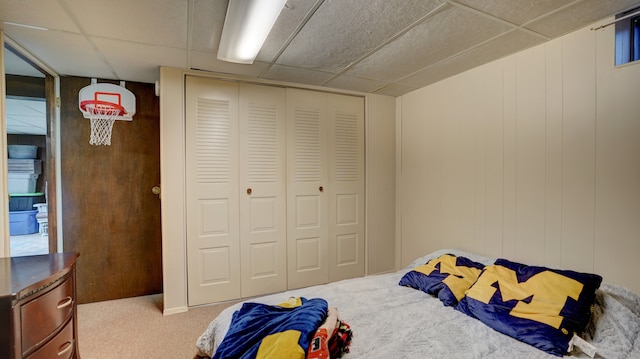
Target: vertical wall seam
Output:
[(595, 145), (561, 150), (546, 149)]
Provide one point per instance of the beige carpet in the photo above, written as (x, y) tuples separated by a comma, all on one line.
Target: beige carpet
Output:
[(136, 328)]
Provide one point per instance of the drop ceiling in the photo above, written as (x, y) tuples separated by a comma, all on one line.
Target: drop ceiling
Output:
[(388, 47), (26, 116)]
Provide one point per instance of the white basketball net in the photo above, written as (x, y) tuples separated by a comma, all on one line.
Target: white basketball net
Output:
[(102, 119), (101, 131)]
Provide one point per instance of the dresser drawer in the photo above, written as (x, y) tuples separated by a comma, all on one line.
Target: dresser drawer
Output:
[(60, 347), (43, 315)]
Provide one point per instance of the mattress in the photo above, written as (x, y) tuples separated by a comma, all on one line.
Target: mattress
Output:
[(392, 321)]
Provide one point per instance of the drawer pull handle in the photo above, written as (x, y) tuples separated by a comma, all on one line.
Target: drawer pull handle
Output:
[(65, 302), (65, 348)]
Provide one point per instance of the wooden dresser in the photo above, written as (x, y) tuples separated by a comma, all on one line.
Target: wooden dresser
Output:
[(38, 313)]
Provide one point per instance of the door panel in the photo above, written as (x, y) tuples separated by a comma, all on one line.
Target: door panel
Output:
[(346, 189), (306, 183), (109, 213), (213, 248), (263, 194)]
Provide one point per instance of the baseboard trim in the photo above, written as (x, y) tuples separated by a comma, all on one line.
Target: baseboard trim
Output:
[(176, 310)]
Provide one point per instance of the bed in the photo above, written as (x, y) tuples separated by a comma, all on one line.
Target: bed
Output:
[(393, 321)]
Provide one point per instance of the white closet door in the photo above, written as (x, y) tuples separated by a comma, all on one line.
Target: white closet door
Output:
[(306, 188), (262, 190), (213, 248), (346, 187)]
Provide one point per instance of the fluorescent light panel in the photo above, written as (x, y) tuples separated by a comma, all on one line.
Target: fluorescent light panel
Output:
[(246, 27), (27, 26)]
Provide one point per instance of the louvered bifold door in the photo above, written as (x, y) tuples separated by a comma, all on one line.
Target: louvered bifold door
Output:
[(346, 187), (213, 249), (262, 190), (306, 188)]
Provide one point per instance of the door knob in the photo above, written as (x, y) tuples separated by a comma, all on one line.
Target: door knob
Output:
[(155, 190)]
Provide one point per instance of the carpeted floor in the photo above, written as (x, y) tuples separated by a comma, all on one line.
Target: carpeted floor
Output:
[(136, 328)]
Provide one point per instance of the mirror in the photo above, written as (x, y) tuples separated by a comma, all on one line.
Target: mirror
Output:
[(26, 113), (26, 124)]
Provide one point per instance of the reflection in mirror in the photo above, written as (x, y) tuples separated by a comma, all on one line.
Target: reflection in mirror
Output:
[(26, 124), (25, 103)]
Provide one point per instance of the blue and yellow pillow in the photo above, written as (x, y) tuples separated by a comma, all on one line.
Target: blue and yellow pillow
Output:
[(446, 277), (540, 306)]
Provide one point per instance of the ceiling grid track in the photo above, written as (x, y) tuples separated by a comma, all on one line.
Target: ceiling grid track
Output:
[(190, 14)]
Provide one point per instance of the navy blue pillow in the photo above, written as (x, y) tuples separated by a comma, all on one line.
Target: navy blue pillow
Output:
[(446, 277), (540, 306)]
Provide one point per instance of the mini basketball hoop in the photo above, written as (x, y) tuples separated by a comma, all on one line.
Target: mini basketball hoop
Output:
[(102, 115), (103, 104)]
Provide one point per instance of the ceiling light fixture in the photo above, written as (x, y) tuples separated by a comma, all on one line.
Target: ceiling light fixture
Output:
[(246, 27)]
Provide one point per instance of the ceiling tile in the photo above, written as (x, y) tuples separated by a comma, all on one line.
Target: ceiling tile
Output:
[(425, 45), (289, 20), (66, 53), (138, 62), (341, 31), (208, 18), (297, 75), (43, 13), (355, 84), (576, 16), (515, 11), (505, 45), (158, 22), (209, 62)]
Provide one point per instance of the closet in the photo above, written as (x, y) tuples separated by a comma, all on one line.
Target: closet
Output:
[(325, 187), (274, 186)]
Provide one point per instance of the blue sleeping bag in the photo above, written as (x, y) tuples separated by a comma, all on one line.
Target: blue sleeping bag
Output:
[(272, 331)]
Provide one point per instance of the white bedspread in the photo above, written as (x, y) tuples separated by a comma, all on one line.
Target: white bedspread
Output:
[(390, 321)]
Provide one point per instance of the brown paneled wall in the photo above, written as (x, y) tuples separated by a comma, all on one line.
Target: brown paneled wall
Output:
[(109, 213), (25, 86)]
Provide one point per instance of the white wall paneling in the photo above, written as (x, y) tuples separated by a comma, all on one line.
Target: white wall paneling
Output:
[(380, 157), (617, 171), (510, 158), (533, 157), (494, 163), (553, 161), (530, 152), (578, 150)]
